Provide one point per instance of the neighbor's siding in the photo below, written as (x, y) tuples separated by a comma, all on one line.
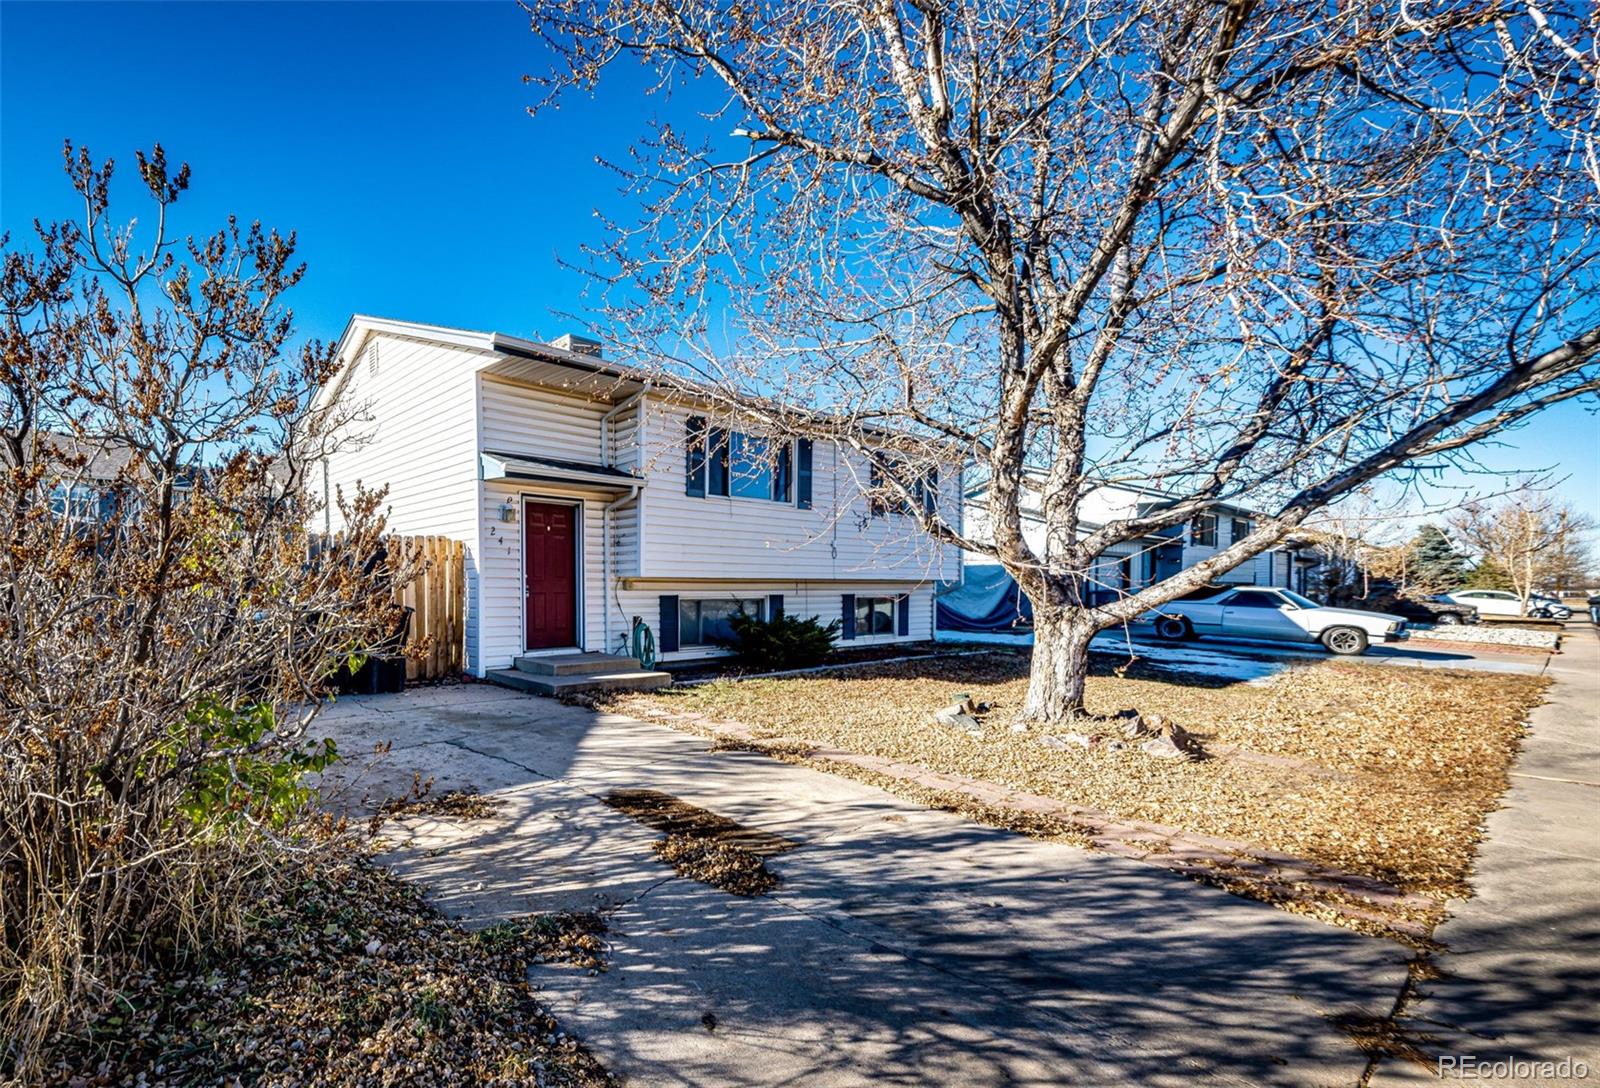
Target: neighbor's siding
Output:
[(416, 435), (1252, 572), (686, 537)]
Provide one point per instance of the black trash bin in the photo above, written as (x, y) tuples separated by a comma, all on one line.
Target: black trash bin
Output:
[(384, 671)]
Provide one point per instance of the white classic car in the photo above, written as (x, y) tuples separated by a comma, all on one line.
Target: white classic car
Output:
[(1280, 614)]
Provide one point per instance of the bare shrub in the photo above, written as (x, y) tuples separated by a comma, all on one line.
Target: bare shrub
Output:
[(165, 621)]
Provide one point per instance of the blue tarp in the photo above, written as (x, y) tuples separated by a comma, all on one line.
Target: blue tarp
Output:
[(987, 600)]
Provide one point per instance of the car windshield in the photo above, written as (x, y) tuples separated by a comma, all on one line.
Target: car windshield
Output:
[(1303, 602)]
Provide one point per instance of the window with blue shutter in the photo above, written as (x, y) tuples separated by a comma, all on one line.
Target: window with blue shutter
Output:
[(667, 629), (717, 462), (694, 457), (847, 616), (902, 626), (727, 463), (803, 455)]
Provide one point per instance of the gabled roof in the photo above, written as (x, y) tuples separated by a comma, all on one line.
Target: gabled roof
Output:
[(532, 361), (102, 459), (509, 356)]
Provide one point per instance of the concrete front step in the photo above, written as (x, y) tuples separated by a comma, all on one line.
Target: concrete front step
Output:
[(635, 679), (574, 664)]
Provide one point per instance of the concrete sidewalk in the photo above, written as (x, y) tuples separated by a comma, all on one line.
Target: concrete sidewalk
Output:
[(905, 946), (1522, 974)]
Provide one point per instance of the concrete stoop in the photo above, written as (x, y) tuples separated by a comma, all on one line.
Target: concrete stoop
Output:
[(555, 674)]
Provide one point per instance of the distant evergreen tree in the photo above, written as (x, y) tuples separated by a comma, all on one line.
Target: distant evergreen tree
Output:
[(1436, 565), (1488, 575)]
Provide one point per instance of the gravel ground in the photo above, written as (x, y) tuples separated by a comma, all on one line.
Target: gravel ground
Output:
[(1485, 635), (1386, 773)]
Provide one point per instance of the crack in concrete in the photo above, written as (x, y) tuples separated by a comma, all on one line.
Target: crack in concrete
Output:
[(1551, 778)]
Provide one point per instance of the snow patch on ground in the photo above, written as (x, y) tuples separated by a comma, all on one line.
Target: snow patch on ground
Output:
[(1222, 664), (1227, 664)]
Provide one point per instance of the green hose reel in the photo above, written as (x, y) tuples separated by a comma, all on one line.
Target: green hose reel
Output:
[(643, 644)]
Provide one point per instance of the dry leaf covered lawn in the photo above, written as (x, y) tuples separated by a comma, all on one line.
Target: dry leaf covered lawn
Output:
[(1381, 771), (348, 977)]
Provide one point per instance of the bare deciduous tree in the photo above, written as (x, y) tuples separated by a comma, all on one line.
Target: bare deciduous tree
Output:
[(165, 623), (1250, 251), (1528, 535)]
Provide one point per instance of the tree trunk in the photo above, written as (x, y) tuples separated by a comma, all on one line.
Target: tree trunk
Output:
[(1060, 665)]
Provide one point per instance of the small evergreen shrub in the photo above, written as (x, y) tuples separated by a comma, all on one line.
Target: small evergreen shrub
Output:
[(785, 642)]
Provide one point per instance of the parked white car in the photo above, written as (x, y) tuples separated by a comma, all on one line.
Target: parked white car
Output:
[(1279, 614), (1497, 602)]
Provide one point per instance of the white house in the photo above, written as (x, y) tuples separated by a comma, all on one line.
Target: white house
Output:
[(582, 503), (1132, 565)]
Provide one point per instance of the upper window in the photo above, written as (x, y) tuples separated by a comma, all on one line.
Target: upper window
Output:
[(889, 481), (705, 623), (1203, 531), (758, 468), (1240, 528), (743, 466)]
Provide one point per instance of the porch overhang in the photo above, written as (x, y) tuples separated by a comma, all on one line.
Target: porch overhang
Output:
[(513, 468)]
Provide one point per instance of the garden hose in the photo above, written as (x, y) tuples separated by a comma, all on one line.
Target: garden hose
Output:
[(644, 643)]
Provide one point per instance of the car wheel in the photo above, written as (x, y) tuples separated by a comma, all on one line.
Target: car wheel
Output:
[(1447, 619), (1174, 628), (1538, 613), (1345, 640)]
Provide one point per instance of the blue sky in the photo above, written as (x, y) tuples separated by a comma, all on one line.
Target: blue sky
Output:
[(394, 138)]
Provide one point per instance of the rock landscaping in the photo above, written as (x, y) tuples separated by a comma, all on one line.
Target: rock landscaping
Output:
[(1485, 635)]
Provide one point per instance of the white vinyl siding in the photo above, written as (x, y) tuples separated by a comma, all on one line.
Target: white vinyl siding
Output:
[(690, 536), (430, 413), (503, 632), (416, 435)]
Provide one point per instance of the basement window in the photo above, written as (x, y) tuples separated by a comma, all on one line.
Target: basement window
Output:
[(705, 622), (874, 616)]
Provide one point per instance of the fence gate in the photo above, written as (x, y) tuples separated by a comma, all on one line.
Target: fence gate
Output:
[(438, 598)]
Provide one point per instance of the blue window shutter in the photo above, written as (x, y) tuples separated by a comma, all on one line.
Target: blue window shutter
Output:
[(694, 457), (782, 474), (717, 462), (902, 620), (667, 632), (774, 606), (847, 616), (804, 455), (930, 492)]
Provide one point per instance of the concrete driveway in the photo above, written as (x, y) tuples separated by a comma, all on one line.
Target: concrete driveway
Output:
[(904, 946)]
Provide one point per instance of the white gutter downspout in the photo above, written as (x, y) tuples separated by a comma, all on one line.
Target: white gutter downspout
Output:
[(614, 504)]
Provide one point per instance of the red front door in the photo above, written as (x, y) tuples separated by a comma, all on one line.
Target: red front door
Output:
[(549, 575)]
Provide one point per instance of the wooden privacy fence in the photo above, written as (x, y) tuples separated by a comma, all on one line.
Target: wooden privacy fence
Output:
[(438, 598)]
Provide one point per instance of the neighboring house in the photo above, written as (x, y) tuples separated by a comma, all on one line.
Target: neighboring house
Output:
[(1132, 565), (584, 497), (82, 474)]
